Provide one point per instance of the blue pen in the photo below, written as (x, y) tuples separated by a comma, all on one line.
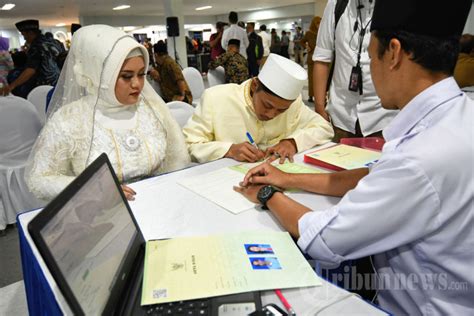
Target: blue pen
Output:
[(251, 140)]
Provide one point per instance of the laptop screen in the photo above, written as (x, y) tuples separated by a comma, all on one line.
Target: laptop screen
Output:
[(89, 238)]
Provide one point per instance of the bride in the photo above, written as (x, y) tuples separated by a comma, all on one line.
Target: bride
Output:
[(102, 103)]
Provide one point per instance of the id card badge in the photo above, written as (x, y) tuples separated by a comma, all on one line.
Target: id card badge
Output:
[(355, 80)]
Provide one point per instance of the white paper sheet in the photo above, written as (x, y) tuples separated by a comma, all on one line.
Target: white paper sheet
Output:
[(217, 186)]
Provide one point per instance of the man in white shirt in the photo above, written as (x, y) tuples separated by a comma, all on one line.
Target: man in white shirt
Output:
[(356, 112), (235, 32), (266, 41), (413, 210)]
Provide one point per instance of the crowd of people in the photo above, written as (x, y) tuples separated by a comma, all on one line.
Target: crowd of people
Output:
[(375, 68)]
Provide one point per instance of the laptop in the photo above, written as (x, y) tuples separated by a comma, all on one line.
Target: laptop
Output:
[(95, 252)]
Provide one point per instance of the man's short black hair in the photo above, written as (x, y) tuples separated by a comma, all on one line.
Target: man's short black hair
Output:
[(160, 48), (263, 27), (233, 17), (466, 43), (234, 42), (432, 53)]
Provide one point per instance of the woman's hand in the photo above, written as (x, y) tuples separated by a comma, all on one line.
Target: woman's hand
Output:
[(129, 192)]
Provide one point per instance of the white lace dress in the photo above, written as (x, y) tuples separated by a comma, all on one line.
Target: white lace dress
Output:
[(134, 153), (62, 150)]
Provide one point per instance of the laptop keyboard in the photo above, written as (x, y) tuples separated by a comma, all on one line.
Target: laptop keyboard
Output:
[(185, 308)]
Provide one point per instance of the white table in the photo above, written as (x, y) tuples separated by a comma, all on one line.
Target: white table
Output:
[(164, 209)]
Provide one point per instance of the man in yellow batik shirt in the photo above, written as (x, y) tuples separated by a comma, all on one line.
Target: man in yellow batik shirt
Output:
[(268, 107)]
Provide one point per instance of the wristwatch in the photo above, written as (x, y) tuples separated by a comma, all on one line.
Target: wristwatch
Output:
[(265, 193)]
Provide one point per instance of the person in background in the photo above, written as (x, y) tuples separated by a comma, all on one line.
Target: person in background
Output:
[(309, 41), (235, 65), (19, 63), (59, 46), (170, 76), (412, 211), (464, 71), (235, 32), (266, 42), (149, 47), (104, 104), (255, 50), (215, 41), (41, 64), (275, 46), (285, 44), (269, 107), (6, 62), (241, 24), (298, 48), (353, 105)]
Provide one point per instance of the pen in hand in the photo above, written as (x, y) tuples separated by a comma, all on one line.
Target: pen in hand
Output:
[(251, 141)]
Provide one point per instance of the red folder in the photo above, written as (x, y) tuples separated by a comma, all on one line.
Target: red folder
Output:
[(364, 142), (327, 165)]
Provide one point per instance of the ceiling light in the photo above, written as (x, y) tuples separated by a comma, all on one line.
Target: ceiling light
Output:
[(61, 24), (122, 7), (8, 6), (203, 8)]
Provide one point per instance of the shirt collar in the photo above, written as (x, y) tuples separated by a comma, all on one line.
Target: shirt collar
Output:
[(248, 98), (420, 106)]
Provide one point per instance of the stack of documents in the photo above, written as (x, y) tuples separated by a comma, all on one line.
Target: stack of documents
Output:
[(197, 267)]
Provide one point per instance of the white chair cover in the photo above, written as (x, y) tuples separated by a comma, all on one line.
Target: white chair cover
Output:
[(216, 76), (181, 111), (37, 96), (156, 86), (195, 82), (19, 126)]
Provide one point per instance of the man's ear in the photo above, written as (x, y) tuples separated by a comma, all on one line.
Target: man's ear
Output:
[(395, 53), (254, 85)]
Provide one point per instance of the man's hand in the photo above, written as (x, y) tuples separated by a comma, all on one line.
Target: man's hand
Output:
[(155, 75), (5, 90), (286, 148), (322, 111), (245, 152), (266, 174), (129, 192), (250, 192)]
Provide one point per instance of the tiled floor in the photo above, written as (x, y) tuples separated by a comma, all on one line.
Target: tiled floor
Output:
[(10, 264)]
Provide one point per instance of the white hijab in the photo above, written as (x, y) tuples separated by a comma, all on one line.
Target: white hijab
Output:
[(92, 67), (86, 87)]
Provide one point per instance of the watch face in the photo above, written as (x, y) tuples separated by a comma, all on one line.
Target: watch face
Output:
[(265, 193)]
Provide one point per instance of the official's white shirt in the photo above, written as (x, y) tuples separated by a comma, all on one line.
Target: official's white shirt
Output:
[(414, 210), (236, 32), (345, 106), (266, 41)]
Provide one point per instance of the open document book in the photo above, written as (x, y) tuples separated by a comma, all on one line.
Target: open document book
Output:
[(197, 267), (217, 186)]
